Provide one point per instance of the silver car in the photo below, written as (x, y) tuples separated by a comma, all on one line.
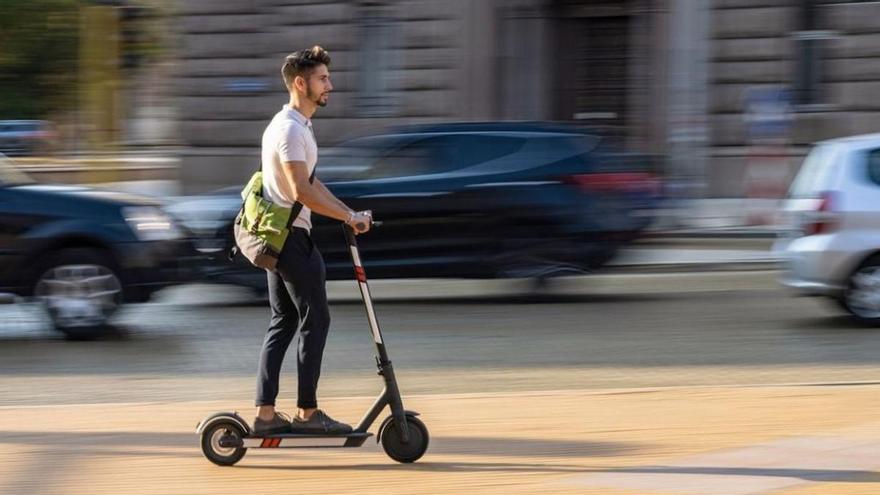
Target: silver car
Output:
[(831, 245)]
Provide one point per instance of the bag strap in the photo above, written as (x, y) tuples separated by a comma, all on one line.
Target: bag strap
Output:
[(297, 207), (295, 210)]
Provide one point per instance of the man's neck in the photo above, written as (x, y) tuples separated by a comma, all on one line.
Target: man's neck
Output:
[(303, 106)]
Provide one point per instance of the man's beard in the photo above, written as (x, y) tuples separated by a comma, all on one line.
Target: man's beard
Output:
[(318, 101)]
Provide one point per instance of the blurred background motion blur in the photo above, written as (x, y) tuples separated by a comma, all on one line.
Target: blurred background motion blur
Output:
[(721, 97), (631, 179), (512, 139)]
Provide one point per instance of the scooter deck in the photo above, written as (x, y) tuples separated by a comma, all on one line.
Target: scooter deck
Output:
[(305, 440)]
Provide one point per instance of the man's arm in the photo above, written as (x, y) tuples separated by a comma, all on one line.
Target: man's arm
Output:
[(320, 185), (318, 198)]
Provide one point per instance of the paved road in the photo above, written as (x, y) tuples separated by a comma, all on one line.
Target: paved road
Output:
[(637, 331), (624, 384)]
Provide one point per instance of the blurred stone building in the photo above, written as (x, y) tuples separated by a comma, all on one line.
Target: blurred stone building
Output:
[(824, 56), (413, 61), (715, 87)]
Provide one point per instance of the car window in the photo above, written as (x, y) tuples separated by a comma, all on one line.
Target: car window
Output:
[(874, 166), (346, 162), (379, 157), (383, 157), (465, 150), (358, 159), (410, 157), (442, 153), (815, 173), (559, 146)]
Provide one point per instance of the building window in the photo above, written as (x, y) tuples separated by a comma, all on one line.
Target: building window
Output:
[(376, 34), (810, 45), (809, 66)]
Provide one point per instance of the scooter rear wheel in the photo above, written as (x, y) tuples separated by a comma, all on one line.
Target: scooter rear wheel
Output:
[(221, 443), (410, 451)]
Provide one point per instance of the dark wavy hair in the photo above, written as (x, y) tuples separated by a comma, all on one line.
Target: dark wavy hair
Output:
[(303, 63)]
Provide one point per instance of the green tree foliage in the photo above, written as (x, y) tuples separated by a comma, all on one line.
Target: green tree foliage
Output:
[(38, 56)]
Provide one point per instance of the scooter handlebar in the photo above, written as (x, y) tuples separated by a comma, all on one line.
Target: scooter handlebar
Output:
[(360, 226)]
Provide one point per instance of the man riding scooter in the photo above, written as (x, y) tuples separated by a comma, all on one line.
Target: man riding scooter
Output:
[(297, 294)]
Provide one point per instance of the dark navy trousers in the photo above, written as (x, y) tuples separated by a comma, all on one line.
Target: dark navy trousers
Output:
[(298, 303)]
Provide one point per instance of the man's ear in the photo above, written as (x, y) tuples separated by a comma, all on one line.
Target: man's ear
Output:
[(299, 83)]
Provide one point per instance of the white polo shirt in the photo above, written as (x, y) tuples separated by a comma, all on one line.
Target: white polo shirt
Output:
[(288, 138)]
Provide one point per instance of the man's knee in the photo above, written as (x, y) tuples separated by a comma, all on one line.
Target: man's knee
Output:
[(322, 317), (284, 324)]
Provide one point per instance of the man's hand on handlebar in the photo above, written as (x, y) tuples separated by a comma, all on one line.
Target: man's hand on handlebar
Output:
[(361, 221)]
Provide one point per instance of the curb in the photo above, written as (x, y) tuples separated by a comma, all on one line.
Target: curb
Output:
[(666, 268)]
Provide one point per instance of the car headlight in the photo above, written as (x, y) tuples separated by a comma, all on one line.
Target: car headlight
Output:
[(203, 217), (150, 223)]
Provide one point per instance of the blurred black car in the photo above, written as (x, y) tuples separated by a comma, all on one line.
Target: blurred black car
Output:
[(462, 200), (83, 252)]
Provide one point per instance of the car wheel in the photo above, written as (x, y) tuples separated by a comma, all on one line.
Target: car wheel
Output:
[(862, 297), (80, 289), (538, 261)]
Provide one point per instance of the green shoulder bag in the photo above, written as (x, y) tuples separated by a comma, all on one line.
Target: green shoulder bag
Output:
[(261, 227)]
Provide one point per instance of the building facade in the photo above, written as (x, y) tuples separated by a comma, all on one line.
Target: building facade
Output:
[(783, 75), (412, 61), (730, 93)]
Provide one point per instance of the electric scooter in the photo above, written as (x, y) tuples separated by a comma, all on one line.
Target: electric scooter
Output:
[(225, 437)]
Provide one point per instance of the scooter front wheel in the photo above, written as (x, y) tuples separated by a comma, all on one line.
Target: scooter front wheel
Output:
[(410, 451), (222, 443)]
